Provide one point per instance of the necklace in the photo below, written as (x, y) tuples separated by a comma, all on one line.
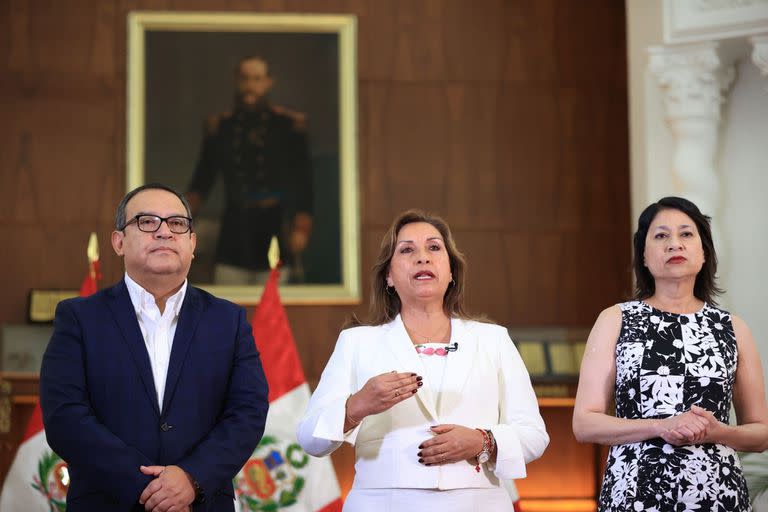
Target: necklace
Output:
[(444, 330)]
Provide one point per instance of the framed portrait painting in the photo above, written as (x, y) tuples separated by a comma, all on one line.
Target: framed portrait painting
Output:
[(254, 118)]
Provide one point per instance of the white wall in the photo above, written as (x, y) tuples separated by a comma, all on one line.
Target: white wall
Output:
[(646, 124), (742, 166)]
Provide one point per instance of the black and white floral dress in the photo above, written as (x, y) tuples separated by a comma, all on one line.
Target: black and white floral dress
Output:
[(665, 363)]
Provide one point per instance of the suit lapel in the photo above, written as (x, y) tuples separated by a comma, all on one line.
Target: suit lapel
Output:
[(400, 344), (189, 317), (125, 316), (460, 362)]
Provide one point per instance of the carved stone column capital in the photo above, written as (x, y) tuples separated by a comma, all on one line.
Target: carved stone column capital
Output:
[(692, 78), (760, 53)]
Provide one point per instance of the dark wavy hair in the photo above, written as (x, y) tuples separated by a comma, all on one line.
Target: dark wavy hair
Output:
[(385, 305), (705, 288)]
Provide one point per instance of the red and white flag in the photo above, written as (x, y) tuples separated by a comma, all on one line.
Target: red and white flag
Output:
[(38, 479), (279, 474)]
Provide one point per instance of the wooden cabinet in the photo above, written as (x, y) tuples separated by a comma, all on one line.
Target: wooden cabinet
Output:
[(568, 476)]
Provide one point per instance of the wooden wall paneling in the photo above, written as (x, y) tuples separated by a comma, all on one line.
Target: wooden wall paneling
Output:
[(102, 55), (374, 178), (575, 131), (590, 43), (472, 192), (546, 249), (17, 194), (415, 138), (529, 50), (587, 287), (418, 35), (370, 241), (533, 294), (15, 265), (61, 34), (487, 291), (375, 53), (517, 260), (473, 32), (58, 157), (528, 161), (14, 19)]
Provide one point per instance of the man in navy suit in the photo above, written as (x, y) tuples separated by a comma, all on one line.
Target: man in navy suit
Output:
[(152, 390)]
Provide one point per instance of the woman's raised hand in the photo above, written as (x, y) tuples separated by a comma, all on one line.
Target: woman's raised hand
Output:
[(382, 392)]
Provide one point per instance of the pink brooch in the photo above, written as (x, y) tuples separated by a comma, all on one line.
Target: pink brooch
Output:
[(429, 351)]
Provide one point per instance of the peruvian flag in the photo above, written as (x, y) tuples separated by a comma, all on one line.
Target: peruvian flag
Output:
[(38, 479), (279, 474)]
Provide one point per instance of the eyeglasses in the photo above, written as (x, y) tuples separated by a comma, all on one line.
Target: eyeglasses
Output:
[(151, 223)]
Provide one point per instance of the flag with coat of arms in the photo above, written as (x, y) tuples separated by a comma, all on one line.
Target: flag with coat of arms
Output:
[(38, 479), (280, 476)]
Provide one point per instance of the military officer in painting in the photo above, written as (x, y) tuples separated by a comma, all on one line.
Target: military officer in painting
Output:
[(261, 152)]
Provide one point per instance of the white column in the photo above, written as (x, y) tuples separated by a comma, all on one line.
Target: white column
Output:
[(760, 53), (692, 80)]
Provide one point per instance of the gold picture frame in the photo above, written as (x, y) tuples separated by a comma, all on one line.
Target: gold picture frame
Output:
[(180, 71)]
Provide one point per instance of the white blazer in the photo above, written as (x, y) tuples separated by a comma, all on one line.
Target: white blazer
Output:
[(486, 385)]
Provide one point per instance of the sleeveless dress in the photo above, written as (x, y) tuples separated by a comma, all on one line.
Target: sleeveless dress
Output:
[(665, 363)]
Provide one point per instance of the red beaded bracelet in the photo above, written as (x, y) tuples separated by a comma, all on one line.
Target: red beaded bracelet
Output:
[(484, 454)]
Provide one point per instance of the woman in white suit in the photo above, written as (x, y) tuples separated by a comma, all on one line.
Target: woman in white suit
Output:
[(439, 407)]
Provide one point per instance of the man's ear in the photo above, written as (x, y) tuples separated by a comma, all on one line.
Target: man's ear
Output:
[(117, 242)]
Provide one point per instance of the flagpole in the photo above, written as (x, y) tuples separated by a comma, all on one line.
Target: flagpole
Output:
[(38, 479)]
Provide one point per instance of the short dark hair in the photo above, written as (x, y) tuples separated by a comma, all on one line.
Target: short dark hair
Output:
[(120, 219), (705, 288)]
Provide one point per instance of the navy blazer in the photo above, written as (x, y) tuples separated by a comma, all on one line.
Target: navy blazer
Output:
[(100, 406)]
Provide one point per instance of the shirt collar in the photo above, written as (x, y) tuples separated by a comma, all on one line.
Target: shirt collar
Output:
[(142, 299)]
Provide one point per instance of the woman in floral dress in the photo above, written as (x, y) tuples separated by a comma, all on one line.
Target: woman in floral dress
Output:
[(672, 361)]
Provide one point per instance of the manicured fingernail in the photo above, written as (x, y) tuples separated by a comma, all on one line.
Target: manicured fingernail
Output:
[(413, 375), (418, 378), (418, 454), (421, 446), (419, 383), (421, 460), (429, 464), (414, 391)]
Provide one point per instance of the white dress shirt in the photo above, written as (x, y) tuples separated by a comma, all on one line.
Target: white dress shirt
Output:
[(157, 329)]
